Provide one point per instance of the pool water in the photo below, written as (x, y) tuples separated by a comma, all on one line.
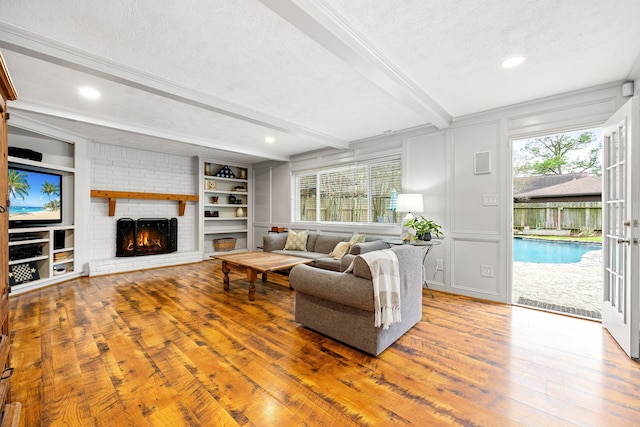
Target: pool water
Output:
[(550, 252)]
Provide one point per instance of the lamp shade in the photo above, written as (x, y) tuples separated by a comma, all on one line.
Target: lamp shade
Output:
[(410, 203)]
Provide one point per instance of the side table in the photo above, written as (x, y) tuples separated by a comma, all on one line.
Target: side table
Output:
[(426, 247)]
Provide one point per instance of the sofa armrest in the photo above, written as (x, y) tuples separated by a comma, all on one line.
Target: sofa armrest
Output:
[(346, 261), (274, 242), (341, 288), (364, 247)]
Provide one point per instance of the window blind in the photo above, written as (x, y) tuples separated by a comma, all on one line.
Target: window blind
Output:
[(363, 192)]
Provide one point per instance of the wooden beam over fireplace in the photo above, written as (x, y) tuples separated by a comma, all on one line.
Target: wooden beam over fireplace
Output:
[(113, 195)]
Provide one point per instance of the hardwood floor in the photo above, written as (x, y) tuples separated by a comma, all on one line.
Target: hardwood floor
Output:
[(170, 347)]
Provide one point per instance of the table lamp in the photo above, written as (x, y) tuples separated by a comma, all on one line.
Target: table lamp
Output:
[(409, 203)]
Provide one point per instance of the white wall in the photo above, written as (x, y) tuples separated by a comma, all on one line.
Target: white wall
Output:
[(128, 169), (271, 198), (439, 164), (424, 171), (476, 227), (481, 235)]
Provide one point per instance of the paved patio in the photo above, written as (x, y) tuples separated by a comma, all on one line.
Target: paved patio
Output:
[(574, 288)]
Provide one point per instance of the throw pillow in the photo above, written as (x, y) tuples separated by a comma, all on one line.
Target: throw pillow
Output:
[(296, 241), (340, 250), (357, 238)]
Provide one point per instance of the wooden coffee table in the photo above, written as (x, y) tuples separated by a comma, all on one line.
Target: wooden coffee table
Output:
[(256, 262)]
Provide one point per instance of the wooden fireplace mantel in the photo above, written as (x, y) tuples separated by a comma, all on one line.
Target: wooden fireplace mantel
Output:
[(113, 195)]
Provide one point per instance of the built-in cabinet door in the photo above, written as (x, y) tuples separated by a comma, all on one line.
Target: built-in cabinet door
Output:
[(11, 414), (4, 223)]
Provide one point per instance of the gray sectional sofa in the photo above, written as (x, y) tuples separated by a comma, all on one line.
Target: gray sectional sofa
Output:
[(340, 305), (319, 246)]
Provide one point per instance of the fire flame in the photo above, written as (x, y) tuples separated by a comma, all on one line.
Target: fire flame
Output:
[(146, 240)]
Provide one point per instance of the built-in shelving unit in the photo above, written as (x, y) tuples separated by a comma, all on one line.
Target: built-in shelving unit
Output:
[(44, 253), (225, 205), (47, 252)]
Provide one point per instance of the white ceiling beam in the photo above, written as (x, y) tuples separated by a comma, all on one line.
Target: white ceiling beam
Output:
[(18, 106), (33, 45), (327, 27), (19, 121)]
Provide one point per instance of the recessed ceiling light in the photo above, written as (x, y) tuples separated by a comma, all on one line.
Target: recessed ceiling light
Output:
[(89, 92), (269, 140), (514, 61)]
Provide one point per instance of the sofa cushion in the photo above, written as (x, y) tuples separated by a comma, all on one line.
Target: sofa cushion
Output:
[(357, 238), (296, 241), (326, 242), (301, 254), (328, 263), (340, 250), (311, 242)]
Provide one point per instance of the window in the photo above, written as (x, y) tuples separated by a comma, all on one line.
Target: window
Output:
[(359, 193)]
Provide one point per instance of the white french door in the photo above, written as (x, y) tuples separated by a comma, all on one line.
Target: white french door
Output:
[(620, 231)]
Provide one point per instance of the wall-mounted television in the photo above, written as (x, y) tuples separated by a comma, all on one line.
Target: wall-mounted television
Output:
[(35, 197)]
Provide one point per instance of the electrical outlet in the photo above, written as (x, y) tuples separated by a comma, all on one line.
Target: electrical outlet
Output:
[(439, 265), (486, 270)]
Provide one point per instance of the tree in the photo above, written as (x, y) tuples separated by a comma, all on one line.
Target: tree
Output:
[(561, 154), (49, 189), (18, 185)]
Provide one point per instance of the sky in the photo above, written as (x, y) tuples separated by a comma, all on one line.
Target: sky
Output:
[(36, 197), (518, 144)]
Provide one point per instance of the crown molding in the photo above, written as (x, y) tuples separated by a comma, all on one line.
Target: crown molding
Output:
[(36, 46), (534, 103), (325, 25)]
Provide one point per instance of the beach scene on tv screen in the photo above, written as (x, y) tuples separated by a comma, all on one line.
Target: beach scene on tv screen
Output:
[(34, 196)]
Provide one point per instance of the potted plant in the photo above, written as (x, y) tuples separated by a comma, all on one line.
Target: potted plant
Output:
[(424, 228)]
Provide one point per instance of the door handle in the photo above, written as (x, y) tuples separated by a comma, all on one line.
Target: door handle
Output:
[(622, 240)]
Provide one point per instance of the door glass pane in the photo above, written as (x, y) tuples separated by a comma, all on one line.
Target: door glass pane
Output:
[(623, 142)]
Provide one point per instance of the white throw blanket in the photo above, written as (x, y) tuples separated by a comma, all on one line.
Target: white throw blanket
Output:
[(385, 275)]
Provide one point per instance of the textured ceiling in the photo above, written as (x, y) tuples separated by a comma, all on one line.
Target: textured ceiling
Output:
[(198, 76)]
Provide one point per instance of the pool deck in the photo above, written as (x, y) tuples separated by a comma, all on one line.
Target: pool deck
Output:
[(575, 288)]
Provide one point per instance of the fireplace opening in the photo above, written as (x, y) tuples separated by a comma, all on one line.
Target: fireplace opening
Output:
[(146, 236)]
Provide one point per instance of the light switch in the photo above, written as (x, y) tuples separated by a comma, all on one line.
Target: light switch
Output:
[(486, 270), (490, 199)]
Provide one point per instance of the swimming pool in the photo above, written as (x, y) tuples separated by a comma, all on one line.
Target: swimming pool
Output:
[(550, 252)]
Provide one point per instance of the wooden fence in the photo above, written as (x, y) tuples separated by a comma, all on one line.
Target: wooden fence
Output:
[(558, 216)]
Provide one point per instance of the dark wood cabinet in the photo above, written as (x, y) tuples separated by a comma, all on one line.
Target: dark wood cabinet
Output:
[(10, 410)]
